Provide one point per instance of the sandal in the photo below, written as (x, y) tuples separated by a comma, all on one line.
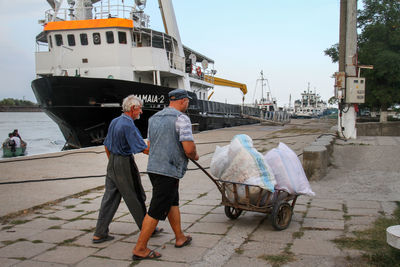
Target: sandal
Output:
[(103, 239), (152, 255)]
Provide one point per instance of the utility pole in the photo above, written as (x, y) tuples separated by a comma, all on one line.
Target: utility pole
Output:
[(348, 70)]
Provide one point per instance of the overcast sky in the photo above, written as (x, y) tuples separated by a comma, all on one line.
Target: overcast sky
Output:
[(285, 39)]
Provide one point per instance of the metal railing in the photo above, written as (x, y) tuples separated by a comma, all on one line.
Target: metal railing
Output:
[(100, 11)]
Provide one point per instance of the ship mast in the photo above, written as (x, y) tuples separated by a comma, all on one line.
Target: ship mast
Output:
[(171, 28)]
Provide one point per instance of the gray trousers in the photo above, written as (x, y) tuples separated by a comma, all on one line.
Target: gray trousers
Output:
[(122, 179)]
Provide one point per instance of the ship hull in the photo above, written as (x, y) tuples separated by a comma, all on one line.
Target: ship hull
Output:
[(84, 107)]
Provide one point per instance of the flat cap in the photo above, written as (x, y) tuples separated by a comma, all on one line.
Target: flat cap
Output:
[(178, 94)]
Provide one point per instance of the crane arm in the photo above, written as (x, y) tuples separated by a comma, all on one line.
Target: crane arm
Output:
[(224, 82)]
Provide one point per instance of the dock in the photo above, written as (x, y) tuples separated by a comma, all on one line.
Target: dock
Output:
[(50, 205)]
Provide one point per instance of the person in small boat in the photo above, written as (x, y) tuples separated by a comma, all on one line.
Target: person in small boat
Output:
[(123, 178), (9, 142), (16, 139), (16, 133)]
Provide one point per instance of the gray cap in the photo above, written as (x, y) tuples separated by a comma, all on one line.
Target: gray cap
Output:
[(178, 94)]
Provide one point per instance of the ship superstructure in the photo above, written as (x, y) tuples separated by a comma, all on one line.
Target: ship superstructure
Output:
[(310, 105)]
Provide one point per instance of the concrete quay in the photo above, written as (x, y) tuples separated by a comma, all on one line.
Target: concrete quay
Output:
[(361, 184)]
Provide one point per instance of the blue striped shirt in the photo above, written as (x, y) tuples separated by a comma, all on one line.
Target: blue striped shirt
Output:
[(183, 127)]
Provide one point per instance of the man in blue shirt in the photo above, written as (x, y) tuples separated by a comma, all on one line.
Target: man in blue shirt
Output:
[(123, 178)]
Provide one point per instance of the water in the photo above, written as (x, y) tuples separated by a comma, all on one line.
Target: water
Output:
[(36, 128)]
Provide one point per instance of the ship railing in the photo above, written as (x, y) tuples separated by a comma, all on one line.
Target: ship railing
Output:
[(147, 37), (277, 116), (97, 12)]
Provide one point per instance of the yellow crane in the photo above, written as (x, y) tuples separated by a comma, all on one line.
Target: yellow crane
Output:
[(224, 82)]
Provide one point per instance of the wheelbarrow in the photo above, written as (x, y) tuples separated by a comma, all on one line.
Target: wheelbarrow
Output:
[(239, 197)]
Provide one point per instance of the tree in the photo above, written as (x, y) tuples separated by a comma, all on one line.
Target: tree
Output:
[(378, 45), (15, 102)]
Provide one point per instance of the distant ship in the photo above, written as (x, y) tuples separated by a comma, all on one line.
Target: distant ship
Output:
[(310, 105), (267, 103), (94, 53)]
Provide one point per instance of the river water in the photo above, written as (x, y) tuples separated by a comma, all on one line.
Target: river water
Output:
[(36, 128)]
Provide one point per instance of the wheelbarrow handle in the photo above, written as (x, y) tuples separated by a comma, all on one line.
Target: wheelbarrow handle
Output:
[(207, 173)]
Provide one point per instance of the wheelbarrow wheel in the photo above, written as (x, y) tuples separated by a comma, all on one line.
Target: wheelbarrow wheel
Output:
[(281, 215), (232, 213)]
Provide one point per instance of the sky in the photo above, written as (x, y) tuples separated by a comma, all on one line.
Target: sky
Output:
[(285, 39)]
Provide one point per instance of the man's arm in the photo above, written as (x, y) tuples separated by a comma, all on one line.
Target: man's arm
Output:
[(190, 150)]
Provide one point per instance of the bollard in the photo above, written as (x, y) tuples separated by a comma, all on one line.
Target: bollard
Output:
[(315, 161), (325, 143)]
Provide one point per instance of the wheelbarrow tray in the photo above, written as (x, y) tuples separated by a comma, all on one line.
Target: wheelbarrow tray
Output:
[(279, 204)]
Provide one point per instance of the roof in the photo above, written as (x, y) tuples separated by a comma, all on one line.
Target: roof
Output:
[(88, 24), (199, 57)]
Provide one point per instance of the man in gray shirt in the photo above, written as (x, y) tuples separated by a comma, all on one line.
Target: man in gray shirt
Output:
[(171, 144)]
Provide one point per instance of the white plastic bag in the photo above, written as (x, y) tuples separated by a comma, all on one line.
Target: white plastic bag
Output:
[(288, 171), (240, 162), (219, 161), (246, 162)]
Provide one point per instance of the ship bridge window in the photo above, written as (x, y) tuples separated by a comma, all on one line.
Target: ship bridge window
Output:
[(168, 43), (157, 40), (59, 40), (71, 39), (50, 41), (96, 38), (110, 37), (145, 38), (84, 39), (122, 37)]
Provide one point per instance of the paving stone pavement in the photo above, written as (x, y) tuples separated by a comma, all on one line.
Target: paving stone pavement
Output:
[(59, 234)]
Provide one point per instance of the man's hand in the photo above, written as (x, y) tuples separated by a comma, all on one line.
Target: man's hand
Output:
[(147, 149), (190, 150), (107, 152)]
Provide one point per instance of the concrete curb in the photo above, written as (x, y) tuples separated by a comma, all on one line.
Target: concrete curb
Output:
[(316, 157)]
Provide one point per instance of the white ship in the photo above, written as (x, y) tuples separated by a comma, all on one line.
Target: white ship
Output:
[(310, 105), (92, 53)]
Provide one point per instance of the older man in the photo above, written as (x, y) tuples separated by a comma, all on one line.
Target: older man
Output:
[(171, 144), (123, 178)]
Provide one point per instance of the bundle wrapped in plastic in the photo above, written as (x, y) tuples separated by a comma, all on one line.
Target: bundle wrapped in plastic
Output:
[(288, 171), (240, 162)]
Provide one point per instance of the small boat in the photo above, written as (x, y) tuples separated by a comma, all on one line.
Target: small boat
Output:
[(9, 150)]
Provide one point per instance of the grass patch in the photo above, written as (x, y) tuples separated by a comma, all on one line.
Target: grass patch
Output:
[(79, 210), (16, 222), (86, 202), (54, 218), (202, 195), (239, 251), (19, 258), (70, 206), (67, 241), (37, 241), (10, 242), (344, 208), (297, 234), (346, 217), (6, 227), (373, 242), (55, 227), (278, 260)]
